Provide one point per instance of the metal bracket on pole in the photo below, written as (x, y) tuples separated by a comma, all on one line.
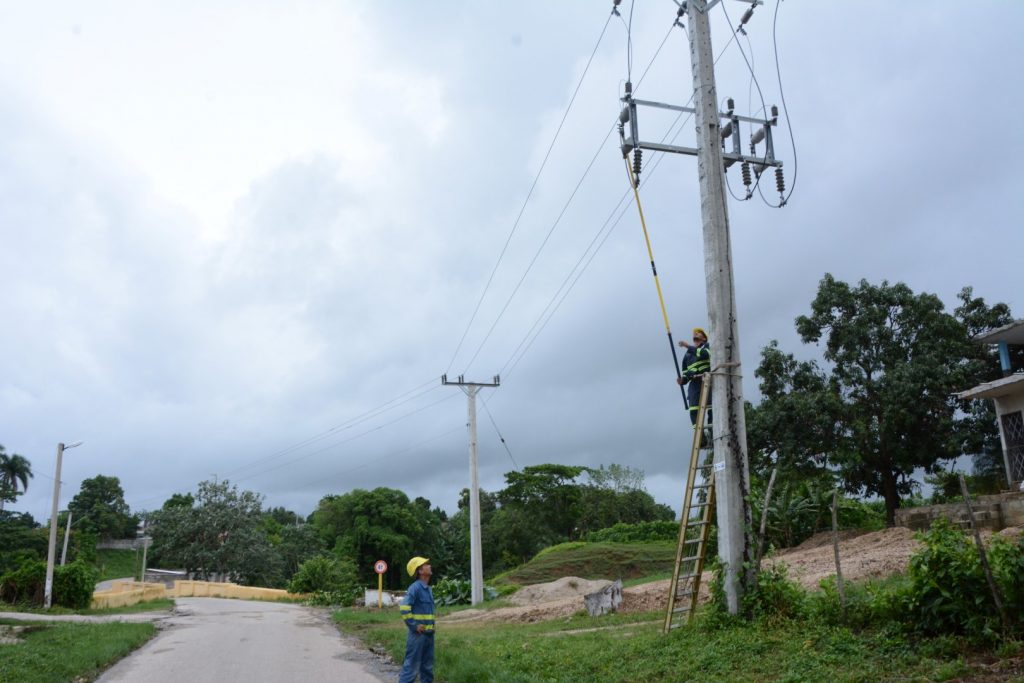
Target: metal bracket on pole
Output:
[(761, 132)]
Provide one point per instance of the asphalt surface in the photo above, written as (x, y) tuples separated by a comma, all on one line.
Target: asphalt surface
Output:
[(223, 641)]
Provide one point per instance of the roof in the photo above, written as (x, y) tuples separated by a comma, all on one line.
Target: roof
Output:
[(1011, 334), (1004, 386)]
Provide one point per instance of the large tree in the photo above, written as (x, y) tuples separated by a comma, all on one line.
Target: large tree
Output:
[(14, 470), (221, 535), (102, 510), (896, 359), (365, 526)]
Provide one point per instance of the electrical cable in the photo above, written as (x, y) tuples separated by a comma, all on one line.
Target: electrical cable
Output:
[(533, 186), (498, 432), (513, 360), (386, 457), (347, 424), (782, 96), (343, 441), (565, 207), (760, 94), (657, 283)]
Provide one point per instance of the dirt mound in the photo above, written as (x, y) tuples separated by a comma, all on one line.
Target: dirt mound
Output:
[(565, 587), (863, 556)]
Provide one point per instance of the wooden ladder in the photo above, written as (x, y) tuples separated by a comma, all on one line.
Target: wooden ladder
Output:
[(695, 526)]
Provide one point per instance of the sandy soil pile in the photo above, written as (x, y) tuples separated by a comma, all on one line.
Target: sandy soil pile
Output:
[(565, 587), (863, 556)]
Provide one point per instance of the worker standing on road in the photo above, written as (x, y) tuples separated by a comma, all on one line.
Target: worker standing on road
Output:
[(418, 612), (696, 361)]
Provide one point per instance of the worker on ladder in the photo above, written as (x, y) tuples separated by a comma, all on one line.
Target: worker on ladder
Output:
[(696, 362)]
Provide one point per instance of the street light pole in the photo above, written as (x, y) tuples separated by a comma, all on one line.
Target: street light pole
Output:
[(52, 550)]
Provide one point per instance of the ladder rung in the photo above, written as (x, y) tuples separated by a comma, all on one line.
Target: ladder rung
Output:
[(693, 540), (678, 610), (703, 486), (700, 505), (690, 559)]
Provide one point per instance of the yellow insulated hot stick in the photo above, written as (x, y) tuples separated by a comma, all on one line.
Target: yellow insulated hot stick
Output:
[(633, 183)]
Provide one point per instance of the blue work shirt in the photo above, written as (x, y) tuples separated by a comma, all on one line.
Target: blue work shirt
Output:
[(418, 607)]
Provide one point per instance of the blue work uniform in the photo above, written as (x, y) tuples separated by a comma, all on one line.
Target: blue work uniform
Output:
[(696, 362), (418, 610)]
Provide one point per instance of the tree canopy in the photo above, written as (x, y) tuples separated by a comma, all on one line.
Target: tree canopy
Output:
[(221, 534), (883, 407), (15, 470), (99, 507)]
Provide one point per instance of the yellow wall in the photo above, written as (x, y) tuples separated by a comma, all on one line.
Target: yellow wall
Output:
[(124, 593)]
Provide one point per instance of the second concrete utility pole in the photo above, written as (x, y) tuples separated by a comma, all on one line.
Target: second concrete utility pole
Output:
[(475, 549)]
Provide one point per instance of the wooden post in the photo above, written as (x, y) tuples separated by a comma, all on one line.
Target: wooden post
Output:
[(835, 547), (984, 558), (764, 517)]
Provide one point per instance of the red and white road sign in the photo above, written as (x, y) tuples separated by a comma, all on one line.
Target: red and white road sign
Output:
[(380, 566)]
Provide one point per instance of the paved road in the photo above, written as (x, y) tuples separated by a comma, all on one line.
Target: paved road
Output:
[(223, 641)]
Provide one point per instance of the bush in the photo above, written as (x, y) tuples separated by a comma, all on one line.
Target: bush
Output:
[(456, 591), (73, 584), (948, 593), (337, 579), (25, 584), (1007, 561), (775, 597), (640, 532)]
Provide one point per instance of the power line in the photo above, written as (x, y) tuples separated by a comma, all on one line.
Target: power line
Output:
[(565, 208), (343, 441), (379, 458), (500, 437), (782, 96), (347, 424), (509, 365), (529, 194)]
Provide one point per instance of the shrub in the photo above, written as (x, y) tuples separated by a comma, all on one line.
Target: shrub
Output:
[(948, 593), (456, 591), (337, 579), (775, 597), (73, 584), (25, 584), (662, 530), (1007, 561)]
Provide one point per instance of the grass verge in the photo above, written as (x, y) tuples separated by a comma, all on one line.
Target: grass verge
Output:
[(593, 561), (635, 650), (118, 564), (51, 652), (163, 604)]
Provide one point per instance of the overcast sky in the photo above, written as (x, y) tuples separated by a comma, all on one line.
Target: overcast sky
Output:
[(244, 240)]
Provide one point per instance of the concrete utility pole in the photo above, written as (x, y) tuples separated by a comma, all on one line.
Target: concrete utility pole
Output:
[(67, 534), (476, 560), (732, 479), (732, 482), (52, 549)]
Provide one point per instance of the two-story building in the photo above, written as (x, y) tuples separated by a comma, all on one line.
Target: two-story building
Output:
[(1007, 393)]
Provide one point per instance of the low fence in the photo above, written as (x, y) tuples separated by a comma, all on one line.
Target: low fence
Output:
[(124, 593), (990, 512)]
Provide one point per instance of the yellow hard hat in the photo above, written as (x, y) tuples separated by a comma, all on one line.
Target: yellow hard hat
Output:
[(700, 331), (415, 563)]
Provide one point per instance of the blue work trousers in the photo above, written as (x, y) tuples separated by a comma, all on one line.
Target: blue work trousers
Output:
[(419, 658)]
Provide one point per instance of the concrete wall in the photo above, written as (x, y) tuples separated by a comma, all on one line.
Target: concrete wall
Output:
[(124, 593), (990, 512), (120, 544)]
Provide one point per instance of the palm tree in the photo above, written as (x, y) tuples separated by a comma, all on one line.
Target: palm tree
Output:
[(14, 469)]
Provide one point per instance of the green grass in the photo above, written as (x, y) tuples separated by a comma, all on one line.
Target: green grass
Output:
[(594, 561), (162, 604), (118, 564), (57, 652), (635, 650)]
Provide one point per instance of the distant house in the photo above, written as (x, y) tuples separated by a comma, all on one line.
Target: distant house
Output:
[(1007, 393)]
